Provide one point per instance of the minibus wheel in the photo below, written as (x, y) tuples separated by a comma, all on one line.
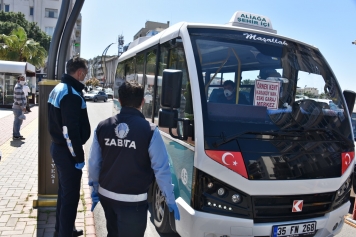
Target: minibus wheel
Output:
[(160, 211)]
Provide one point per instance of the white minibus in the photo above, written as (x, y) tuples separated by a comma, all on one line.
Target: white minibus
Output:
[(257, 129)]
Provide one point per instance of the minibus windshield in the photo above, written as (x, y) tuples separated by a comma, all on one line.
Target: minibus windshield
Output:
[(274, 100), (254, 83)]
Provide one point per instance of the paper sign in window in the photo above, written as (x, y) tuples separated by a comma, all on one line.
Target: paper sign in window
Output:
[(266, 93)]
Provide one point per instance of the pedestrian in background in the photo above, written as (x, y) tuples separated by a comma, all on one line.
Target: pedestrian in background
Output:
[(18, 107), (126, 154), (26, 90), (69, 128)]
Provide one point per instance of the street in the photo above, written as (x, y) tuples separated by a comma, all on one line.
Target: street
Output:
[(98, 111)]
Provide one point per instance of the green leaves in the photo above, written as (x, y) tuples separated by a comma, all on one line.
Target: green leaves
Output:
[(12, 20), (17, 47)]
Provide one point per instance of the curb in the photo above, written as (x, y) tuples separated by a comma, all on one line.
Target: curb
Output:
[(350, 221), (89, 223)]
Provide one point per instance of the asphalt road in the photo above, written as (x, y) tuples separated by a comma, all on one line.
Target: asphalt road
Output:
[(98, 111), (101, 110)]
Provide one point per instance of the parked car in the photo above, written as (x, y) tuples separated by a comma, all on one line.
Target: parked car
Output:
[(96, 95), (109, 92)]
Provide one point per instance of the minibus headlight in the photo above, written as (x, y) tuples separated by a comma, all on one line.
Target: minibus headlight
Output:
[(236, 198), (221, 191), (343, 193), (214, 196), (344, 187)]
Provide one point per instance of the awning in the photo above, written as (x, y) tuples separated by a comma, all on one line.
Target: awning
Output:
[(17, 67)]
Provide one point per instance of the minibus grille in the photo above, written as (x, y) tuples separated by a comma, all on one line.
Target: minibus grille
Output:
[(279, 208)]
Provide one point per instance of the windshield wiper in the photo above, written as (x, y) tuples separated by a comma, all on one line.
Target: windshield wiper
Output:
[(225, 139)]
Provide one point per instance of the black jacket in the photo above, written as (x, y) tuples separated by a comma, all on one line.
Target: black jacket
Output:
[(67, 108), (124, 141)]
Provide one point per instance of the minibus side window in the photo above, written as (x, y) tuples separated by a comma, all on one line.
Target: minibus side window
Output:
[(149, 82), (140, 60), (119, 78), (174, 58), (163, 57), (130, 69)]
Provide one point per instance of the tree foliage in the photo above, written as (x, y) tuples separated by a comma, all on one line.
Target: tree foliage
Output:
[(92, 82), (12, 20), (17, 47)]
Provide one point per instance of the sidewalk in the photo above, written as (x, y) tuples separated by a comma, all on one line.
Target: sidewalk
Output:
[(19, 182)]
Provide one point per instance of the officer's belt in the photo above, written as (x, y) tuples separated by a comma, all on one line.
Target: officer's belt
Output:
[(123, 197)]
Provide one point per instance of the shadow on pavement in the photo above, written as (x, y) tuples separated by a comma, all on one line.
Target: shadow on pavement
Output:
[(16, 143)]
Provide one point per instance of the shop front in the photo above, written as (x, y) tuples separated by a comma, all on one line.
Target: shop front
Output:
[(9, 71)]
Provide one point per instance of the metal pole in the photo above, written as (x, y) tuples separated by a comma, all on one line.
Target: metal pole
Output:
[(66, 36), (56, 38), (104, 53)]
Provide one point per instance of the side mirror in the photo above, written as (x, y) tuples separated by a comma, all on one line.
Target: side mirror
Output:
[(167, 118), (350, 100), (171, 88)]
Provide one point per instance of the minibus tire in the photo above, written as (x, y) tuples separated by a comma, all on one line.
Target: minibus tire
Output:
[(161, 222)]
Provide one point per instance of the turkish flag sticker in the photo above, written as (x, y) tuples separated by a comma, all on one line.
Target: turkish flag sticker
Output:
[(297, 206), (229, 159), (346, 160)]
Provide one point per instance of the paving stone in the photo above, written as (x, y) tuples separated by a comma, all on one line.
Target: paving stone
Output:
[(4, 218), (11, 232), (12, 221), (19, 185), (20, 225), (29, 229)]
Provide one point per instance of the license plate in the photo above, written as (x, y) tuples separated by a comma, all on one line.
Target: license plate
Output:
[(299, 229)]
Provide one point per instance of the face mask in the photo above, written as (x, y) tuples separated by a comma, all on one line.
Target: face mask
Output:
[(22, 82), (227, 93)]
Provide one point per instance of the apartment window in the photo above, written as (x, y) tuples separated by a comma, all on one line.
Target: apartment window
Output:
[(49, 31), (51, 13), (7, 8), (31, 11)]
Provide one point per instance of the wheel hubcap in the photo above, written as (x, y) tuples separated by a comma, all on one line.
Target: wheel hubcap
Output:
[(159, 205)]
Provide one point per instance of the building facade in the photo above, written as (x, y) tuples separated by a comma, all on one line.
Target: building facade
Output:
[(310, 90), (45, 13), (103, 68), (151, 28)]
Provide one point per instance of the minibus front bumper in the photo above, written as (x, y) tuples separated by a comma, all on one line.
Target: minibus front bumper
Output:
[(195, 223)]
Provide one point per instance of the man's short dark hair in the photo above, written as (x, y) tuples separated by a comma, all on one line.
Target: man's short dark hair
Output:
[(131, 94), (19, 76), (76, 63), (229, 82)]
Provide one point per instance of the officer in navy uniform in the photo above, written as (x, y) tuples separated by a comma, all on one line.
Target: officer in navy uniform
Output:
[(69, 127), (126, 155)]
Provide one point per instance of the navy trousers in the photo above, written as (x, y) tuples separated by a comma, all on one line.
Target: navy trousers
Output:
[(69, 179), (124, 220)]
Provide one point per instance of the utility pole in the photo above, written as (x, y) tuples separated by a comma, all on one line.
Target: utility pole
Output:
[(120, 45), (2, 5)]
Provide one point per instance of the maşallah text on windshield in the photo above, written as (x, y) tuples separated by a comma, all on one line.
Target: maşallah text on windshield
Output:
[(263, 39)]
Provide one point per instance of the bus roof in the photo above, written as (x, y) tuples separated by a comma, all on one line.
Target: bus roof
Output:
[(174, 31)]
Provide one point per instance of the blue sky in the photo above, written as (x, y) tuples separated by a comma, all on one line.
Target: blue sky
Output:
[(327, 24)]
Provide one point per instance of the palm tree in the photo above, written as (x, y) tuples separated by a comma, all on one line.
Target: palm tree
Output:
[(17, 47)]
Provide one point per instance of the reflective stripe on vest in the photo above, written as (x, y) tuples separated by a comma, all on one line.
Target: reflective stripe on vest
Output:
[(123, 197)]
